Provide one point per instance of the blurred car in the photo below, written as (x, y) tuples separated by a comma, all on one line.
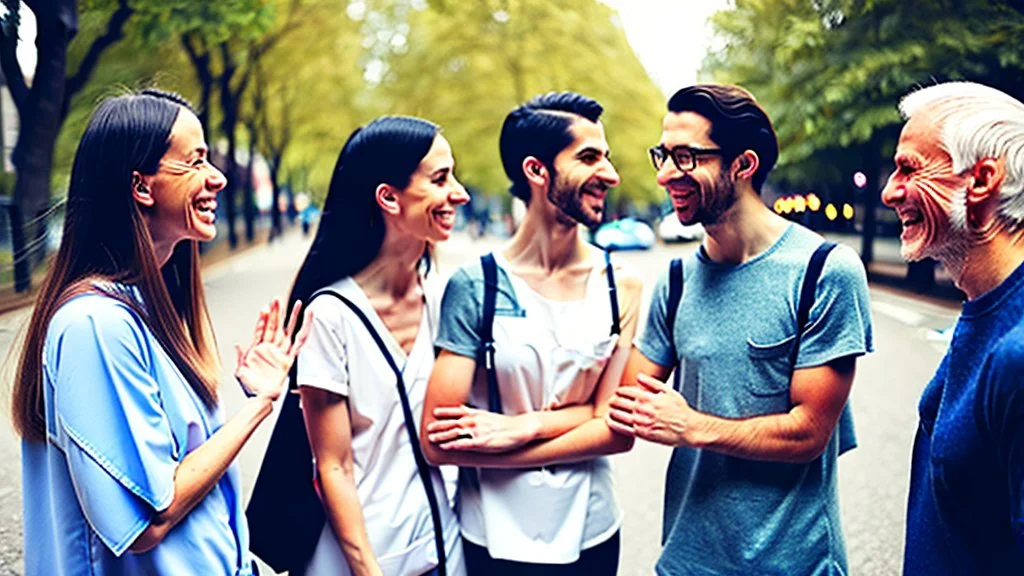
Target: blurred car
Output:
[(624, 234), (670, 229)]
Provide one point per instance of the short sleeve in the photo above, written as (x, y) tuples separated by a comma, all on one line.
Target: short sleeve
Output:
[(323, 361), (840, 319), (116, 436), (459, 327), (657, 342), (1000, 410)]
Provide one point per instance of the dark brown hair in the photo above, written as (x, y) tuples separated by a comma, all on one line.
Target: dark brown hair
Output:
[(106, 248), (738, 123)]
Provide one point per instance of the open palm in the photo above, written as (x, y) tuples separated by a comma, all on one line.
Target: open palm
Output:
[(263, 366)]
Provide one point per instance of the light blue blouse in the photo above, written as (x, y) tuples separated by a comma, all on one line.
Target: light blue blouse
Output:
[(119, 419)]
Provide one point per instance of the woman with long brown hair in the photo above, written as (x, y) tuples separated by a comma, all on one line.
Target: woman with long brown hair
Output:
[(126, 459)]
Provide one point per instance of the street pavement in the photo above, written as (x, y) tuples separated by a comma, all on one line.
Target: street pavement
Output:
[(873, 478)]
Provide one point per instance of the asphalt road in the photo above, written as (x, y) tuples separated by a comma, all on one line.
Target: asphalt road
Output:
[(873, 478)]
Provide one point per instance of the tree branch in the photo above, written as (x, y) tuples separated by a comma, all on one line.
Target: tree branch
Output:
[(115, 31)]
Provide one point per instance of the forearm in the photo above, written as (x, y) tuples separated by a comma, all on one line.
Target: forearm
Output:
[(201, 469), (554, 423), (794, 437), (587, 441), (345, 514)]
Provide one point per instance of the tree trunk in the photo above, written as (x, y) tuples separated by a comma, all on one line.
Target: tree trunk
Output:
[(870, 193), (275, 209), (57, 24), (250, 192)]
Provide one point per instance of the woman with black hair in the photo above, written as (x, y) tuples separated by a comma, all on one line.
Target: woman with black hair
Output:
[(392, 196), (126, 459)]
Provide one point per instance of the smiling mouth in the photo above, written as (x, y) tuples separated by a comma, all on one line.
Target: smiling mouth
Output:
[(445, 218), (910, 218), (206, 206)]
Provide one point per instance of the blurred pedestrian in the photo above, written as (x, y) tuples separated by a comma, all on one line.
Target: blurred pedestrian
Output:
[(762, 326), (958, 190), (537, 332), (392, 197), (126, 460)]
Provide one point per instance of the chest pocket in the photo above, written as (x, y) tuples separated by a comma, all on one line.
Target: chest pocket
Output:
[(771, 362)]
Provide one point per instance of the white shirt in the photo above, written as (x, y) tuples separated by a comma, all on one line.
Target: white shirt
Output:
[(556, 352), (341, 356)]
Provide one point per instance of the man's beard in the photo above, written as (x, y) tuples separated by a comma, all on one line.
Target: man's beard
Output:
[(713, 205), (568, 199)]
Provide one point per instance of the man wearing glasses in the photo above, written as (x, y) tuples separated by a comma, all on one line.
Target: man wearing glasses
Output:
[(751, 486)]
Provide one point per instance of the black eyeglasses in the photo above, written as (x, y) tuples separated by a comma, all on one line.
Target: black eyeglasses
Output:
[(684, 157)]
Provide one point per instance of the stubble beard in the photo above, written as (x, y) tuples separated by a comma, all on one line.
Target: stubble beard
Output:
[(567, 198), (717, 202)]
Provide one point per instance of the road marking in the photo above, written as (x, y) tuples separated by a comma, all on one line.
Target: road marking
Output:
[(898, 313)]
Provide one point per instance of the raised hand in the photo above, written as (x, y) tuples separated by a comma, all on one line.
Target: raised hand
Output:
[(263, 367)]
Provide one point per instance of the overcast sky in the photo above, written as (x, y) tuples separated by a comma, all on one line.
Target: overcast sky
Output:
[(669, 36)]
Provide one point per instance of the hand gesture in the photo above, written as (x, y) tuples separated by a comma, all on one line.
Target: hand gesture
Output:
[(653, 411), (469, 429), (262, 368)]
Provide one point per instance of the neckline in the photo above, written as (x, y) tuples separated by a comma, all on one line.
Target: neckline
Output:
[(515, 279), (360, 299), (704, 258), (989, 301)]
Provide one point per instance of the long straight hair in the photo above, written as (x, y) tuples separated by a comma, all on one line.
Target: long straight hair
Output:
[(107, 248), (388, 150)]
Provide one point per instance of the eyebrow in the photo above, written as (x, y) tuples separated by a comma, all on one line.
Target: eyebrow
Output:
[(593, 150), (440, 171)]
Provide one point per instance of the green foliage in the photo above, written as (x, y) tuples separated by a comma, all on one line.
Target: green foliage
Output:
[(831, 72)]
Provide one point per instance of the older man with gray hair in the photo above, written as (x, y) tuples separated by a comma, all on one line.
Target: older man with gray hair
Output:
[(958, 190)]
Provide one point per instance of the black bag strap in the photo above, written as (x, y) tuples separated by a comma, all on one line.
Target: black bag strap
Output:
[(675, 296), (410, 428), (613, 292), (810, 284), (487, 331)]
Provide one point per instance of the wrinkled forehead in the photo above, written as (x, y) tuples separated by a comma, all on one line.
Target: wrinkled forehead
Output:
[(922, 136)]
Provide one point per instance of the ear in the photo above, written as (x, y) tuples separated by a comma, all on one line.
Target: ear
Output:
[(745, 165), (387, 199), (988, 175), (141, 191), (536, 172)]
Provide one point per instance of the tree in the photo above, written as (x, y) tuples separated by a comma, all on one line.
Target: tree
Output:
[(466, 66), (42, 108), (831, 72)]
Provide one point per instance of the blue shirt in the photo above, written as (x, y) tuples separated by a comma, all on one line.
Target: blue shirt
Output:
[(732, 339), (966, 507), (119, 419)]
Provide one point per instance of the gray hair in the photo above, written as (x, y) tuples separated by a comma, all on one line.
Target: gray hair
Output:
[(979, 122)]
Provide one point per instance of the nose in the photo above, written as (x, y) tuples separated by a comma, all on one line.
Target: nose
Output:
[(893, 193), (458, 193), (215, 180), (608, 174), (668, 172)]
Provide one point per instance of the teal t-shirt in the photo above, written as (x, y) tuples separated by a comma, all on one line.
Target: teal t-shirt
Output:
[(733, 337)]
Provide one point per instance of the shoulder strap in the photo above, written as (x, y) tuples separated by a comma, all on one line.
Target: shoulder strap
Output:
[(410, 428), (675, 296), (613, 293), (675, 292), (807, 289), (487, 331)]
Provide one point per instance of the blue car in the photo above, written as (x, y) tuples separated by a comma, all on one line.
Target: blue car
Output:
[(624, 234)]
